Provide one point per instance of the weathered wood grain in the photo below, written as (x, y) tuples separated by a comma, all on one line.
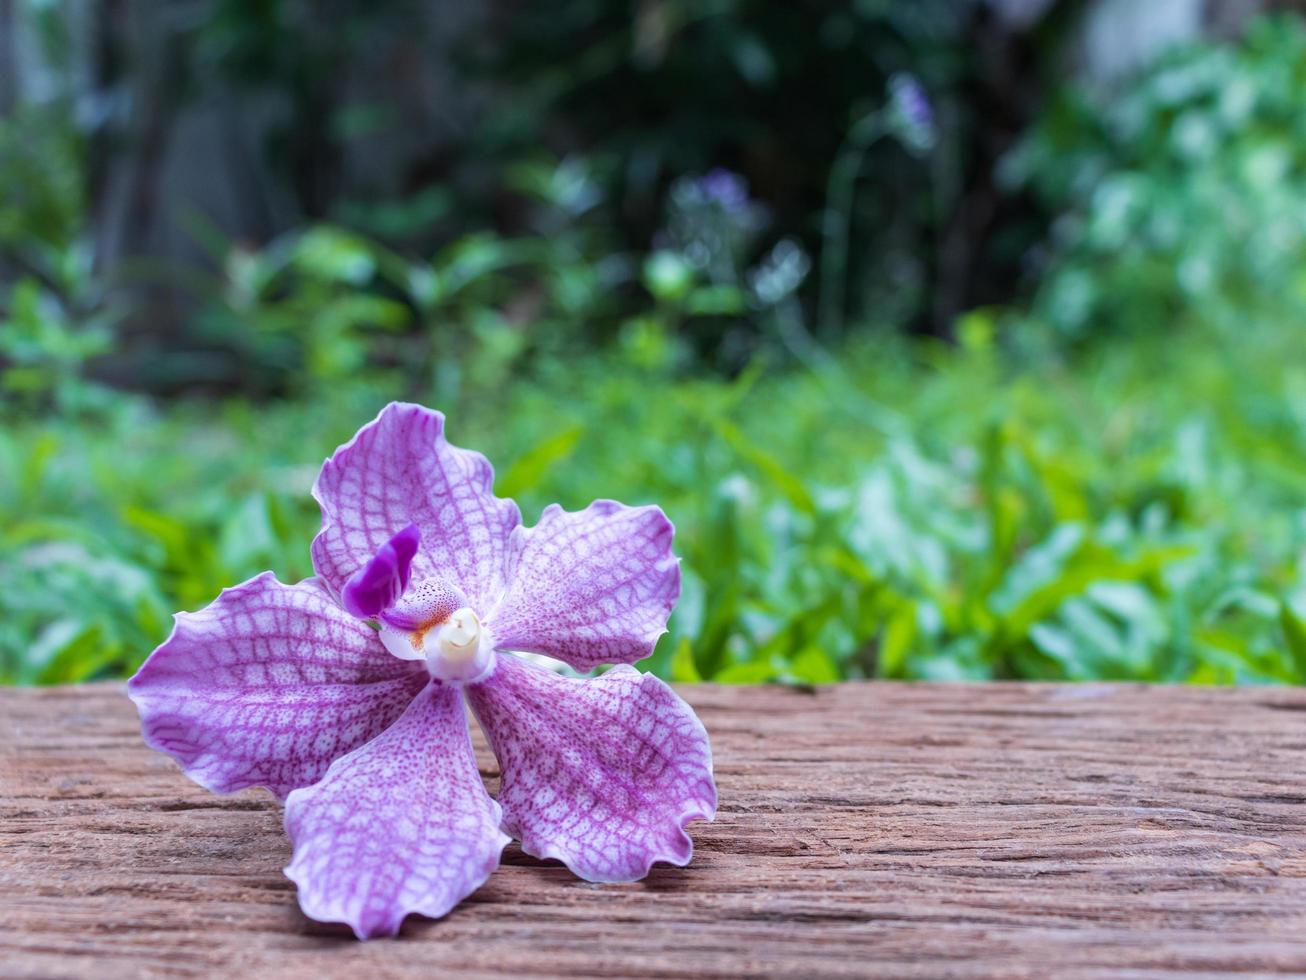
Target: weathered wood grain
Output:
[(864, 829)]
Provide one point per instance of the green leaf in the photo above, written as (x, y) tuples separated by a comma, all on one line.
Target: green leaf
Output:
[(1294, 635), (776, 472), (668, 276), (333, 254), (82, 656), (896, 641), (715, 301), (813, 666), (751, 672), (683, 668), (529, 470), (1088, 564)]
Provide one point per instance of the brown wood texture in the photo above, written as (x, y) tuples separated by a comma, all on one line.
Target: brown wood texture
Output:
[(864, 829)]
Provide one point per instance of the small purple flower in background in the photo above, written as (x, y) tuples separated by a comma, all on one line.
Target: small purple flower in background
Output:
[(725, 188), (344, 694), (911, 115), (712, 223)]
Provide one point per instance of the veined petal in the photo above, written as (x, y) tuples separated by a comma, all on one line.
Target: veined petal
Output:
[(601, 773), (401, 825), (591, 587), (400, 470), (267, 685)]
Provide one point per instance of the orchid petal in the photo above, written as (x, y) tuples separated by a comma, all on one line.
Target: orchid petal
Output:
[(400, 470), (379, 584), (601, 773), (402, 824), (267, 685), (591, 587)]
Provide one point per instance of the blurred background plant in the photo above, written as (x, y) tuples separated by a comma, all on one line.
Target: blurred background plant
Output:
[(958, 339), (1180, 196)]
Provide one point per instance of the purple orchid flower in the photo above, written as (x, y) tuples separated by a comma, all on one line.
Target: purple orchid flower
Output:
[(344, 694)]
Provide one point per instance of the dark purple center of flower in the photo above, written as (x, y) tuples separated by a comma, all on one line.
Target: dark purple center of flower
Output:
[(378, 585)]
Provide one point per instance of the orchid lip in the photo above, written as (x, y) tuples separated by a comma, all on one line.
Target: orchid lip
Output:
[(382, 580), (456, 648)]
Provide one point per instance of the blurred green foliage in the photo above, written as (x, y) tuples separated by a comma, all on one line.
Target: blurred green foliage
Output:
[(323, 304), (779, 92), (917, 510), (1104, 480), (1179, 195), (577, 135)]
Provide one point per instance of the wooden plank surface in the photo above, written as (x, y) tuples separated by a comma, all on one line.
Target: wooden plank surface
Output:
[(864, 829)]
